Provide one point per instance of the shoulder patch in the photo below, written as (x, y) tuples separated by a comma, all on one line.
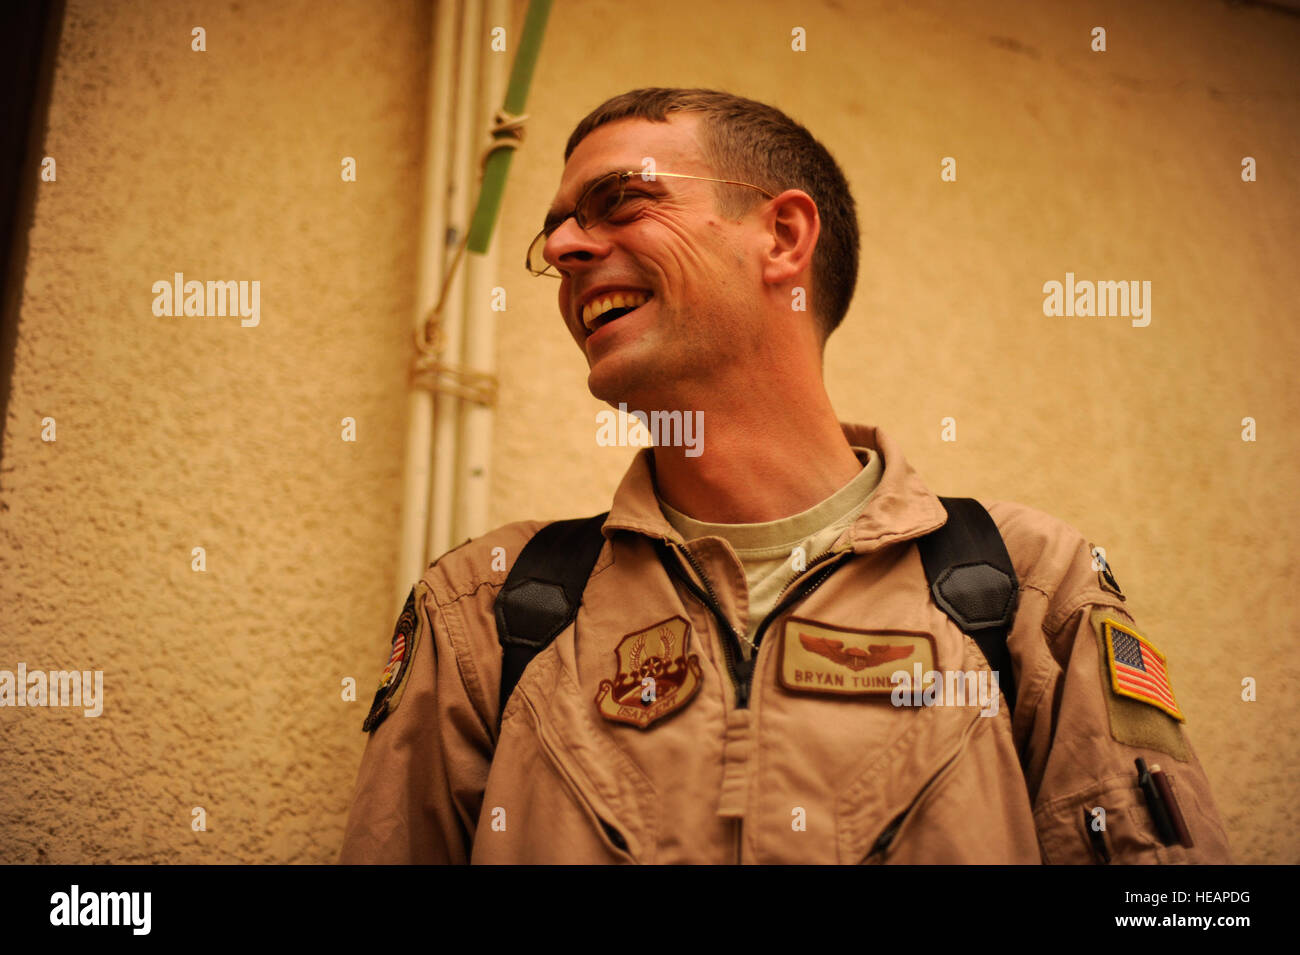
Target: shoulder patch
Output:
[(393, 680), (1105, 576), (1139, 697), (1137, 668)]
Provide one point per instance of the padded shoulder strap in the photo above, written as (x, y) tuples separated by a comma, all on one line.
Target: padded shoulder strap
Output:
[(543, 591), (972, 580)]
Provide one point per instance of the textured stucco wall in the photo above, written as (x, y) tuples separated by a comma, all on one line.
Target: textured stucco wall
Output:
[(222, 688)]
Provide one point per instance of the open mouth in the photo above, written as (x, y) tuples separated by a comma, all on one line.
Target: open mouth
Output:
[(610, 308)]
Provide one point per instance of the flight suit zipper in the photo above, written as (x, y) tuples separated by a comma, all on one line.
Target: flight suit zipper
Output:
[(740, 670), (812, 563)]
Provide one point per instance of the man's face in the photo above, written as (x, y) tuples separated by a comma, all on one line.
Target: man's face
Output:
[(698, 268)]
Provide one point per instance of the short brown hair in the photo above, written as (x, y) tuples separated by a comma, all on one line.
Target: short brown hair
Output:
[(748, 140)]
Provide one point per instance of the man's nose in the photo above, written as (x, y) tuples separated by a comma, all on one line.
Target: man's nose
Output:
[(570, 246)]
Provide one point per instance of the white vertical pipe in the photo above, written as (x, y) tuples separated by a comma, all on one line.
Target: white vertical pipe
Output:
[(416, 472), (463, 188), (475, 476)]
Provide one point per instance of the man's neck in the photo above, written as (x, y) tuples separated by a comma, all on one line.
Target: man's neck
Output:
[(759, 463)]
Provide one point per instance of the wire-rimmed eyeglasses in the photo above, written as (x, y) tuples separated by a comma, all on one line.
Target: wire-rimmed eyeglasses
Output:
[(604, 201)]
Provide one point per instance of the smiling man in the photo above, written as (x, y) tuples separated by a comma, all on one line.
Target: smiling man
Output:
[(714, 670), (718, 333)]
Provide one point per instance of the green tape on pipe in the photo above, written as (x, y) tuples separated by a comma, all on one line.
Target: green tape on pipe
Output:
[(498, 164)]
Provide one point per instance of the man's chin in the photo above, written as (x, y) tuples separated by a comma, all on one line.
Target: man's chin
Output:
[(639, 375), (633, 399), (612, 384)]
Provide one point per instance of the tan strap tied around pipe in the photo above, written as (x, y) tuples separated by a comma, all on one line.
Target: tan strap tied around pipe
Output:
[(428, 370)]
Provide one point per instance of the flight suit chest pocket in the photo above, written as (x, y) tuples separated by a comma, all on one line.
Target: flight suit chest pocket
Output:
[(879, 811), (599, 816), (602, 783)]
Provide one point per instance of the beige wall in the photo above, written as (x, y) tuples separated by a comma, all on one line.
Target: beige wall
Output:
[(222, 688)]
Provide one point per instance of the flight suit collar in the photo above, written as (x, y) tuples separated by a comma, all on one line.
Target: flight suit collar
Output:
[(902, 507)]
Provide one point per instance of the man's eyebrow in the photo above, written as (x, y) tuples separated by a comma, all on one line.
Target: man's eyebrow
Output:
[(556, 215)]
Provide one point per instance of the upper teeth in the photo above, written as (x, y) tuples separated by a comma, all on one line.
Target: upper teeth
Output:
[(599, 306)]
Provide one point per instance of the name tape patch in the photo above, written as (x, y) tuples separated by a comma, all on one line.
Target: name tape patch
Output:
[(816, 658)]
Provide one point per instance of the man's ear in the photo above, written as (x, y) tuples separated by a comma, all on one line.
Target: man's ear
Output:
[(793, 226)]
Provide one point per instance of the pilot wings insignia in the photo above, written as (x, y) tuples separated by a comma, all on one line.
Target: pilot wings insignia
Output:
[(855, 658)]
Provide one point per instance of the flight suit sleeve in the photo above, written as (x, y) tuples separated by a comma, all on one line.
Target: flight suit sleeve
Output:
[(425, 766), (1080, 735)]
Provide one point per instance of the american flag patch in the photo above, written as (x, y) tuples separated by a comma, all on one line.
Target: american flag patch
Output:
[(392, 683), (1137, 669), (395, 659)]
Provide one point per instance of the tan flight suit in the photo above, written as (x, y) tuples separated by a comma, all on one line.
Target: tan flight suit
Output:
[(813, 769)]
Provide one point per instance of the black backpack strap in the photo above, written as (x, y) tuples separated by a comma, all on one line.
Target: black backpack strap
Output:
[(542, 592), (972, 580)]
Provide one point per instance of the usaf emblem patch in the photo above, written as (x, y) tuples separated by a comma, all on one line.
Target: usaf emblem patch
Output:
[(393, 680), (655, 677)]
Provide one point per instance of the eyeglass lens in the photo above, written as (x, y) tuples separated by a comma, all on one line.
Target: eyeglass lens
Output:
[(600, 201)]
